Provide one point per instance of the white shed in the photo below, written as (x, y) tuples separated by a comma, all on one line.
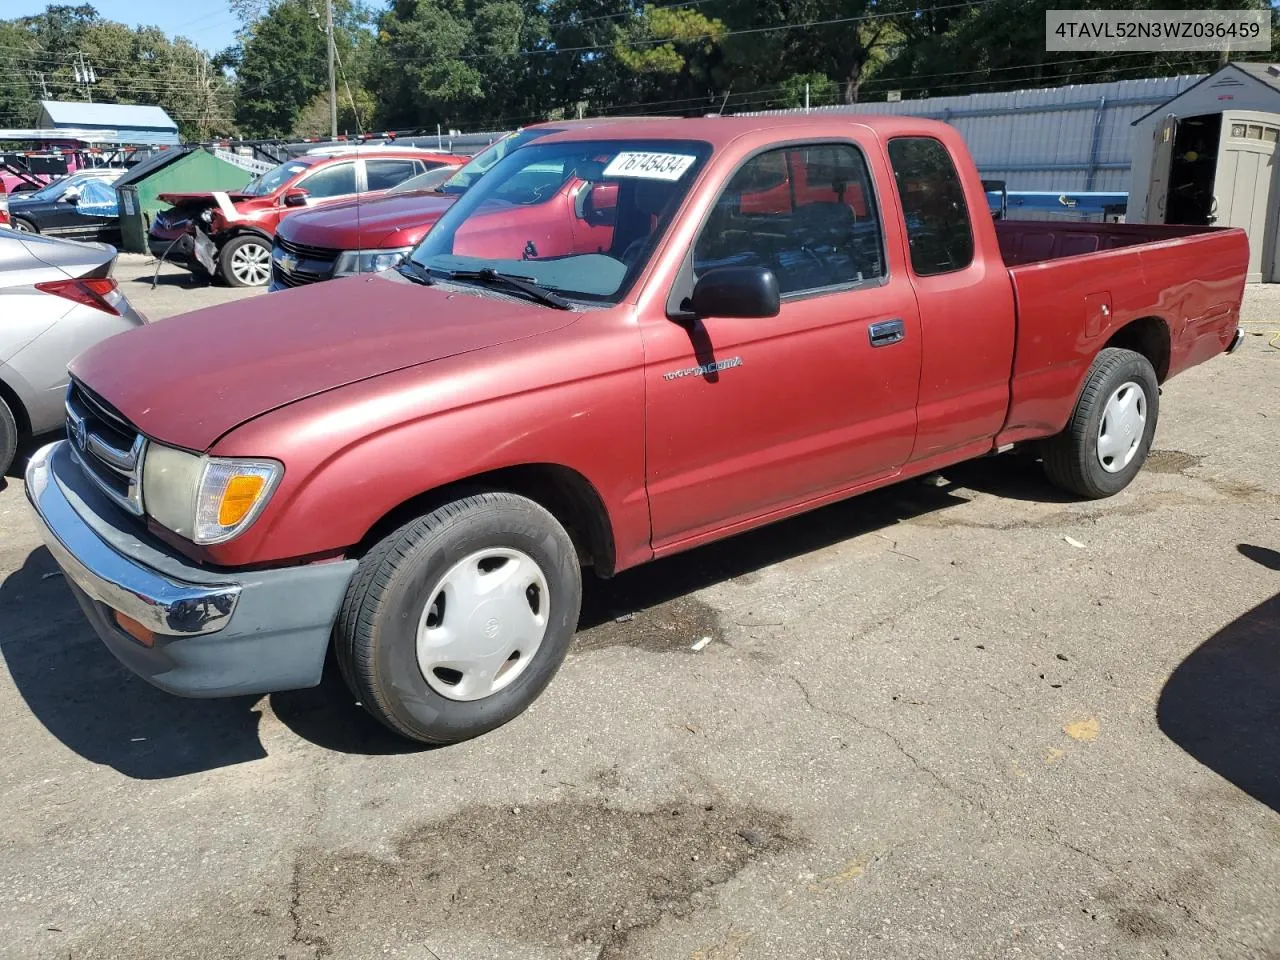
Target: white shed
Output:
[(1208, 157)]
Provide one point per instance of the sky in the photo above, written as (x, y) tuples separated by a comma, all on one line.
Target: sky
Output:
[(207, 23)]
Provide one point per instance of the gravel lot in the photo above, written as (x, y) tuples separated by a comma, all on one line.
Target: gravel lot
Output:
[(968, 718)]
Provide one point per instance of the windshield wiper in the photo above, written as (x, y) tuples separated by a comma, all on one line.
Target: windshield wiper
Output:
[(412, 270), (525, 285)]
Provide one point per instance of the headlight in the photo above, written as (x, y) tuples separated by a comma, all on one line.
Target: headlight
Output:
[(368, 261), (205, 499)]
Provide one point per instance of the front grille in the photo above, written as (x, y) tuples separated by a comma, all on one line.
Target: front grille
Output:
[(295, 264), (107, 446)]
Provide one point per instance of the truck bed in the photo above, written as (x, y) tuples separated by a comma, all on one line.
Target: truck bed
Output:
[(1035, 241), (1076, 285)]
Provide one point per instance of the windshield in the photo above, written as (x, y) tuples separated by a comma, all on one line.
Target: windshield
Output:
[(579, 218), (273, 180), (50, 192), (474, 168), (424, 181)]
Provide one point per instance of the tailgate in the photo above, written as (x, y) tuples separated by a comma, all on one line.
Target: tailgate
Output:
[(1182, 291)]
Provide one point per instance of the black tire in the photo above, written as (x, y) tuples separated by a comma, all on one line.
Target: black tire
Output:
[(375, 636), (1071, 459), (24, 226), (228, 255), (8, 437)]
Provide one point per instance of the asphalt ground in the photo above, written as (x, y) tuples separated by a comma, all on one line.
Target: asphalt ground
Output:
[(963, 718)]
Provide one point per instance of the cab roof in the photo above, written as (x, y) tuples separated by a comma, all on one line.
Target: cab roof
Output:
[(721, 131)]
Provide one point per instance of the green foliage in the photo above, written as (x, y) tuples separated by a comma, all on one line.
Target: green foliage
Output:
[(666, 39), (38, 55), (283, 66)]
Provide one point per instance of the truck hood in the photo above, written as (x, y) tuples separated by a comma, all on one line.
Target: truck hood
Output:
[(188, 380), (395, 221)]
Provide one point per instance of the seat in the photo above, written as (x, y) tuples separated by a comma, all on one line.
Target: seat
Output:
[(641, 204)]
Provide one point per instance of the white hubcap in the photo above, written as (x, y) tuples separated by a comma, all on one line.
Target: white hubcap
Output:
[(483, 623), (1124, 420), (251, 264)]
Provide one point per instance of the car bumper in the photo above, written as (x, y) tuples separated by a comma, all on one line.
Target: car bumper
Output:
[(215, 634), (168, 248), (1236, 340)]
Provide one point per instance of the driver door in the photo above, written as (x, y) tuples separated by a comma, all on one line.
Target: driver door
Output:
[(750, 417)]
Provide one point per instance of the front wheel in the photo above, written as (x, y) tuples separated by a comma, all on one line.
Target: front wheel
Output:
[(1107, 439), (24, 226), (456, 622), (245, 262)]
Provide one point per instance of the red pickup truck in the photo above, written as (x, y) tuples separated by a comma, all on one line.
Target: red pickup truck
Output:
[(228, 235), (415, 466)]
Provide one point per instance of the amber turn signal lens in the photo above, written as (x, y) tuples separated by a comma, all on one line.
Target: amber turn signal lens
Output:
[(238, 498), (136, 630)]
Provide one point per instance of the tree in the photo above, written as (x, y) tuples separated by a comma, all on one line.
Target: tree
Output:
[(283, 65)]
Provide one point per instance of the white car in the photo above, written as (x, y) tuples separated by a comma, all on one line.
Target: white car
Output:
[(57, 298)]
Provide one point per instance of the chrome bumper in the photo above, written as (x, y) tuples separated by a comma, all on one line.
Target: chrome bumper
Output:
[(213, 636), (1236, 340), (162, 605)]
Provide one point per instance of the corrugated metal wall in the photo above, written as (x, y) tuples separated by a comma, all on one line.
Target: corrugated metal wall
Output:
[(1060, 138)]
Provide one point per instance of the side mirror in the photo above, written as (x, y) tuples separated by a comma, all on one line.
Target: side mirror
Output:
[(736, 292), (297, 197), (70, 195)]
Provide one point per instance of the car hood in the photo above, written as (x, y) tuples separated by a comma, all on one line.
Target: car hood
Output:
[(398, 220), (190, 379), (208, 198)]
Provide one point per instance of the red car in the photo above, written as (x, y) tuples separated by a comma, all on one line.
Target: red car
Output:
[(4, 207), (413, 469), (229, 235), (341, 240)]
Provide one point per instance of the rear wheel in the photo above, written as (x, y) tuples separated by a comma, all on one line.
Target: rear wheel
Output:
[(245, 262), (24, 226), (1107, 439), (456, 622), (8, 437)]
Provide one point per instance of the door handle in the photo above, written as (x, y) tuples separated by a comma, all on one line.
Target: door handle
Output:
[(886, 332)]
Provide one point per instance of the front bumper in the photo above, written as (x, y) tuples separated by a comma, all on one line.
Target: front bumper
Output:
[(217, 633)]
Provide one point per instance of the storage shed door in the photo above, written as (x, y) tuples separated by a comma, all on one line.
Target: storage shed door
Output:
[(1242, 188), (1161, 157)]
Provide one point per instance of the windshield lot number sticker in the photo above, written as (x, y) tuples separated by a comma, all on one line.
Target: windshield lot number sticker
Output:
[(649, 166)]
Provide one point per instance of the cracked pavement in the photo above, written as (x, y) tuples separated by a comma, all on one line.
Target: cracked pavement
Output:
[(965, 717)]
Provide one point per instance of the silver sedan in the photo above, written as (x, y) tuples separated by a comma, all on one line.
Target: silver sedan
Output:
[(56, 299)]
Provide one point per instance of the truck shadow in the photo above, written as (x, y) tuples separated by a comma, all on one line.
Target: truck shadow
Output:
[(98, 709), (1222, 704)]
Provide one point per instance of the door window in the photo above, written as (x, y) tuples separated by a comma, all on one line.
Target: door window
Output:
[(937, 217), (385, 174), (805, 212), (335, 181)]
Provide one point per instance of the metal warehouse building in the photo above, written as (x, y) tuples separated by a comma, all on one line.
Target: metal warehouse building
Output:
[(109, 122), (1075, 138)]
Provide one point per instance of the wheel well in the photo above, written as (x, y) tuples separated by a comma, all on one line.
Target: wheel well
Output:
[(16, 408), (239, 232), (566, 494), (1148, 336)]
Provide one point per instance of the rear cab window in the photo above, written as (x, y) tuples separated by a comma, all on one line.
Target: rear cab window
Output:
[(805, 211), (939, 231)]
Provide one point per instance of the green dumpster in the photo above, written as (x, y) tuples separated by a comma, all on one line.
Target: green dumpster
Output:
[(177, 170)]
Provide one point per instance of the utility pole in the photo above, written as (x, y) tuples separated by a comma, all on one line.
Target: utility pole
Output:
[(85, 74), (333, 82)]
